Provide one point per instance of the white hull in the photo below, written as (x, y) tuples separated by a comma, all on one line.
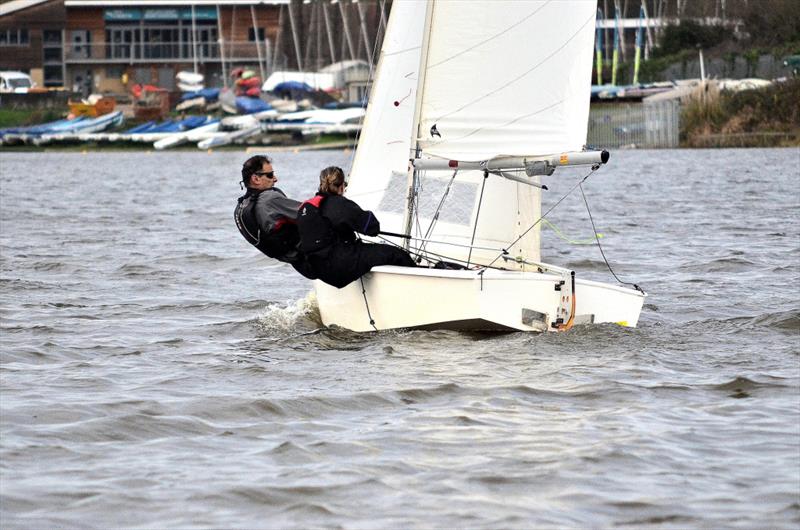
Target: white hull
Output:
[(192, 135), (400, 297), (229, 138)]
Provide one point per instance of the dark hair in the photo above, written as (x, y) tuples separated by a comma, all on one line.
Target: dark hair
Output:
[(330, 179), (253, 164)]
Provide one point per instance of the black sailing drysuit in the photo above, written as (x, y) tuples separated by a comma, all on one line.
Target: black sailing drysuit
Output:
[(266, 219), (327, 224)]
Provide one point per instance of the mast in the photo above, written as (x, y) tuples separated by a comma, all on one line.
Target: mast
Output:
[(258, 41), (363, 24), (221, 41), (328, 31), (638, 54), (598, 46), (194, 40), (346, 26), (615, 57), (423, 66), (295, 38)]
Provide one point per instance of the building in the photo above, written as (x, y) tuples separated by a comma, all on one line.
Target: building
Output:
[(108, 45), (31, 33)]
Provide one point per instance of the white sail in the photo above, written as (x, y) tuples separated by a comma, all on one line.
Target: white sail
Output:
[(379, 173), (501, 78), (508, 78)]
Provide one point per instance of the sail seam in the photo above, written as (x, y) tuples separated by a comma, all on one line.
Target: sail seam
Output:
[(479, 129), (398, 52), (509, 83), (506, 30)]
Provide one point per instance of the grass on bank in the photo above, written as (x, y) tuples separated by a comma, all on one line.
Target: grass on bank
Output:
[(23, 118), (767, 116)]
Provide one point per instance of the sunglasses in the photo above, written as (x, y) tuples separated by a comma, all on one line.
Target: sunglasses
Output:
[(268, 174)]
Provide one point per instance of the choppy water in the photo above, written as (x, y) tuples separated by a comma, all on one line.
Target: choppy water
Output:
[(158, 372)]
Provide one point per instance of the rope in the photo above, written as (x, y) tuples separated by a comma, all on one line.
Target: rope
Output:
[(597, 238), (439, 207), (594, 168), (364, 293), (477, 216), (561, 235)]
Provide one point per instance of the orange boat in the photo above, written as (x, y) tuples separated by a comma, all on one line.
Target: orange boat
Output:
[(104, 105)]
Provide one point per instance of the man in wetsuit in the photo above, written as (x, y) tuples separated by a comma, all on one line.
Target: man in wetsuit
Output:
[(265, 216), (328, 223)]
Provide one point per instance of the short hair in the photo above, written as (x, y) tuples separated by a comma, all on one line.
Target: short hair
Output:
[(330, 179), (253, 164)]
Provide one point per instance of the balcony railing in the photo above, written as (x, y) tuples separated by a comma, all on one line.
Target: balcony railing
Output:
[(150, 52)]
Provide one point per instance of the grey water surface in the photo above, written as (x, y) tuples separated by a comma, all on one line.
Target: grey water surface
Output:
[(158, 372)]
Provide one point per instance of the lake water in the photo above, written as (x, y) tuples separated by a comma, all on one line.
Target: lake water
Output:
[(158, 372)]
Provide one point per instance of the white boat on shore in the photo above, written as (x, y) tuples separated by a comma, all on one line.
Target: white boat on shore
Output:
[(454, 146), (192, 135), (226, 138), (81, 128)]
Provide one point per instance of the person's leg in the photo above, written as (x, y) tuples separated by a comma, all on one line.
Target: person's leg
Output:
[(374, 254), (302, 266), (337, 267)]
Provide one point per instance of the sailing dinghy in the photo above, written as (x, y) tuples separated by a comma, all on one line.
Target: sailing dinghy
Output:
[(472, 103)]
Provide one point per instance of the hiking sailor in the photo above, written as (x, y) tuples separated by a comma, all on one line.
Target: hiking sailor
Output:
[(265, 216), (327, 224)]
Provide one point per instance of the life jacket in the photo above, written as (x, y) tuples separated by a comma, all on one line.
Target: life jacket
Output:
[(316, 232), (279, 242)]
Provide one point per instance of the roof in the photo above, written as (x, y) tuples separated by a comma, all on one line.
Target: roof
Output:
[(150, 3), (6, 8), (13, 74)]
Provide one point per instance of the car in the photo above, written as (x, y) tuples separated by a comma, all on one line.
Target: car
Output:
[(15, 82)]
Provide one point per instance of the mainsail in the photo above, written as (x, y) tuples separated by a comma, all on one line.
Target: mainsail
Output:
[(498, 78)]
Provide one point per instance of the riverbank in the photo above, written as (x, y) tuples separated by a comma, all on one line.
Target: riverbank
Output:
[(765, 117), (762, 117)]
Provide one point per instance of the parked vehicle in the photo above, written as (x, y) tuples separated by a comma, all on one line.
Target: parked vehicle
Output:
[(15, 82)]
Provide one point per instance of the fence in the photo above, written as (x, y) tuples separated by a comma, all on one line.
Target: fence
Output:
[(164, 52), (648, 125)]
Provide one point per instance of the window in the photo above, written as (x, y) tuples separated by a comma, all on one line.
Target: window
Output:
[(52, 37), (14, 37), (251, 35)]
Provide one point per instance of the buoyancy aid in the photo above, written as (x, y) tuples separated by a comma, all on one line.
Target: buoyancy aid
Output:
[(279, 242), (317, 231)]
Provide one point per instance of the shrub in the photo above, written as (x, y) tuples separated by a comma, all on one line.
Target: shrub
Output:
[(689, 35)]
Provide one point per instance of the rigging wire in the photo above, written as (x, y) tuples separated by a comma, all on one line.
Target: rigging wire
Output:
[(594, 168), (422, 252), (477, 216), (435, 218), (597, 238)]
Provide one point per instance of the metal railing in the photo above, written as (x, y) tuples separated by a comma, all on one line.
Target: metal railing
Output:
[(149, 52), (648, 125)]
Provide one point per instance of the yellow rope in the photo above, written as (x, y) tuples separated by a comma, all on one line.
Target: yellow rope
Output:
[(554, 228)]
